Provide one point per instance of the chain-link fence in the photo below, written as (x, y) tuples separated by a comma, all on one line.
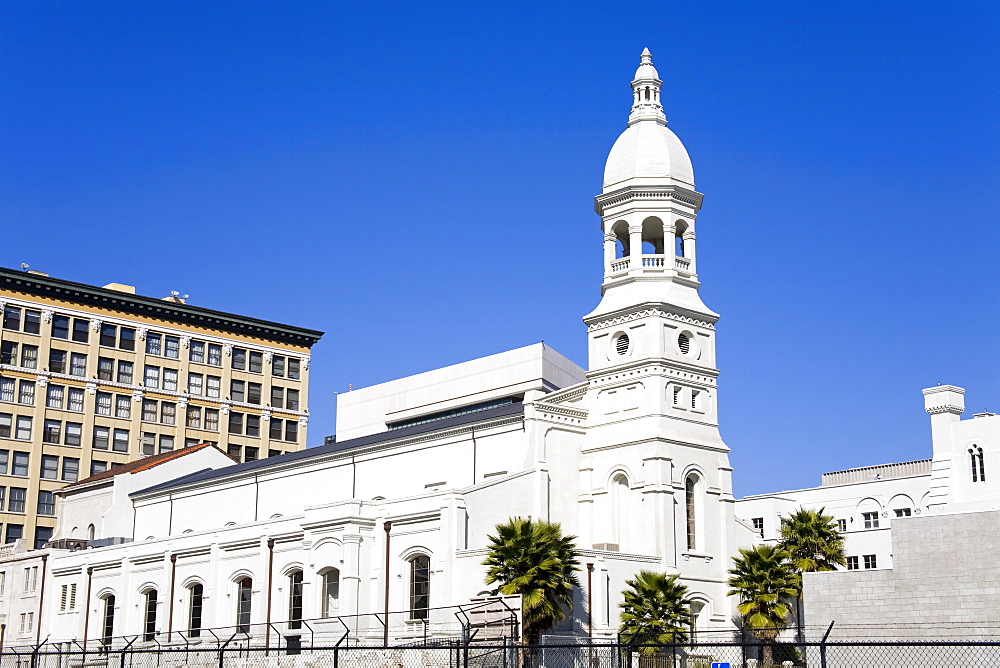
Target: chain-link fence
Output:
[(460, 653)]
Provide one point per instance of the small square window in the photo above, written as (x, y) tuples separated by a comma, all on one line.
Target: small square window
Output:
[(842, 526), (870, 561), (871, 520), (852, 563), (903, 512)]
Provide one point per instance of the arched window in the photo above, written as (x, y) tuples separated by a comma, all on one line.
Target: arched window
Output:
[(690, 486), (196, 601), (330, 604), (90, 532), (244, 590), (679, 229), (108, 620), (619, 508), (149, 617), (420, 586), (978, 466), (295, 600)]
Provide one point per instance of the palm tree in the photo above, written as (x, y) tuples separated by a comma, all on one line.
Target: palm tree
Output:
[(813, 543), (534, 559), (764, 580), (654, 611)]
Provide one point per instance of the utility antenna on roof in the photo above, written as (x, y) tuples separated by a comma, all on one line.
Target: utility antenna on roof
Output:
[(24, 266)]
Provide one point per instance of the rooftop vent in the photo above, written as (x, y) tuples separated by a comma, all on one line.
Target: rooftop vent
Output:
[(984, 414)]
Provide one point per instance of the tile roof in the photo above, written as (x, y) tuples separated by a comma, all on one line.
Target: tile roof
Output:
[(143, 464)]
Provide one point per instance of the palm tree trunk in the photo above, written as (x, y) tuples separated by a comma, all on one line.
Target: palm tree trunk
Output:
[(768, 654), (798, 617)]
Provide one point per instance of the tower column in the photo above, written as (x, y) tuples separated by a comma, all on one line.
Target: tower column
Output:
[(635, 247), (609, 253), (669, 243), (689, 251)]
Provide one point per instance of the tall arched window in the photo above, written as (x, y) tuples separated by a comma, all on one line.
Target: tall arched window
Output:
[(330, 604), (690, 487), (108, 620), (90, 532), (978, 466), (295, 600), (196, 601), (149, 618), (619, 508), (244, 592), (420, 586)]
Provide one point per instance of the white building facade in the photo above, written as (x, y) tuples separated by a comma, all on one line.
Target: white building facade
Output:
[(396, 514)]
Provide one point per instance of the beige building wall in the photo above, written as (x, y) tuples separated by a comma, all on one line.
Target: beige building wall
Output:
[(91, 378)]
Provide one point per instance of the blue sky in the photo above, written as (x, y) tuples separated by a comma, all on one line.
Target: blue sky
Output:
[(416, 179)]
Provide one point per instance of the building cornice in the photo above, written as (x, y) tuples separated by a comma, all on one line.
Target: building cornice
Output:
[(89, 295), (689, 198), (646, 310)]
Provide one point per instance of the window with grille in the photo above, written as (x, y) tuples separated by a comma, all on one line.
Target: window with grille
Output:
[(108, 620), (196, 593), (420, 586), (54, 396), (295, 600), (26, 392), (690, 487), (621, 344), (75, 400), (149, 617), (978, 464), (102, 406), (684, 343)]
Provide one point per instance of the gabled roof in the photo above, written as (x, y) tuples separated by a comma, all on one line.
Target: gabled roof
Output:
[(138, 465), (304, 456)]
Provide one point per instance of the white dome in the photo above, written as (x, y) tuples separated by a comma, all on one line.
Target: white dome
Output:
[(647, 151)]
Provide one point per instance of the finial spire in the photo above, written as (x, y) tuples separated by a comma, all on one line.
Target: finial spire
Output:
[(646, 93)]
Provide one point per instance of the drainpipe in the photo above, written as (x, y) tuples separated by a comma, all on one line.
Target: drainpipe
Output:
[(3, 632), (41, 599), (590, 600), (86, 610), (385, 632), (173, 577), (270, 573)]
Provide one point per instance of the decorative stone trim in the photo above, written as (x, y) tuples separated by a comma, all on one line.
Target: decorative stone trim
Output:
[(948, 408), (645, 313), (47, 315), (95, 325)]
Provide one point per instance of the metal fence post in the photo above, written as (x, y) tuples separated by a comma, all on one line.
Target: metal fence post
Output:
[(822, 646)]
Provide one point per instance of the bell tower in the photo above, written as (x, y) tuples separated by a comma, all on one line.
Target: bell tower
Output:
[(652, 444)]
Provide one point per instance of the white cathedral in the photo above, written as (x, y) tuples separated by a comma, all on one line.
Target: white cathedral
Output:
[(395, 515)]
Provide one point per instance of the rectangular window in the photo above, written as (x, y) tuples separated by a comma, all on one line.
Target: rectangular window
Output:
[(870, 561), (57, 361), (78, 365), (6, 428), (154, 343), (81, 330), (75, 400), (46, 503), (194, 417), (14, 532), (170, 380), (102, 406), (7, 389), (152, 377), (277, 396), (293, 367), (8, 353), (214, 354), (60, 327), (278, 366), (292, 400), (903, 512), (74, 434), (253, 393), (168, 413), (23, 431), (253, 425), (26, 392), (275, 429), (251, 454), (42, 536), (213, 387), (3, 497), (291, 431), (237, 390), (29, 357), (97, 466), (256, 362), (758, 525), (3, 581), (123, 406), (148, 444), (172, 347), (105, 368), (126, 340), (871, 520), (196, 383), (52, 432), (239, 359), (18, 497), (109, 335), (54, 396), (150, 409), (70, 469), (50, 467), (102, 438), (235, 423), (125, 373), (12, 318), (32, 322), (21, 462), (211, 419), (166, 443), (196, 353), (235, 451), (120, 443)]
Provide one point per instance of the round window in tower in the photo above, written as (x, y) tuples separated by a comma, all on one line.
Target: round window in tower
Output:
[(621, 343), (684, 343)]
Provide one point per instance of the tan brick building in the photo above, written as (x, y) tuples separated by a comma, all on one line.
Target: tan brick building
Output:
[(93, 377)]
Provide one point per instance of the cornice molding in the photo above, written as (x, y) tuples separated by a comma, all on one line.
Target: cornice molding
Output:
[(645, 313), (689, 198)]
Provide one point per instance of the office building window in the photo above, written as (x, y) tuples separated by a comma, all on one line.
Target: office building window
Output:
[(29, 357), (22, 431), (123, 406), (151, 377), (81, 330), (70, 469), (196, 353), (74, 401), (196, 383), (251, 454), (150, 409), (102, 438), (125, 372), (105, 368), (214, 354), (235, 423), (239, 360), (3, 497), (102, 405), (50, 467), (871, 520), (255, 362), (293, 368), (172, 347), (46, 503), (97, 466), (237, 390), (14, 532), (7, 389), (21, 463), (57, 361), (109, 336), (6, 427), (154, 344), (253, 393), (17, 499), (60, 327), (148, 444), (78, 365), (211, 419), (42, 536), (213, 387), (74, 434), (870, 561), (54, 396), (26, 392), (253, 425), (166, 443), (170, 380), (168, 413), (194, 417), (120, 443), (8, 353), (278, 366), (52, 431)]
